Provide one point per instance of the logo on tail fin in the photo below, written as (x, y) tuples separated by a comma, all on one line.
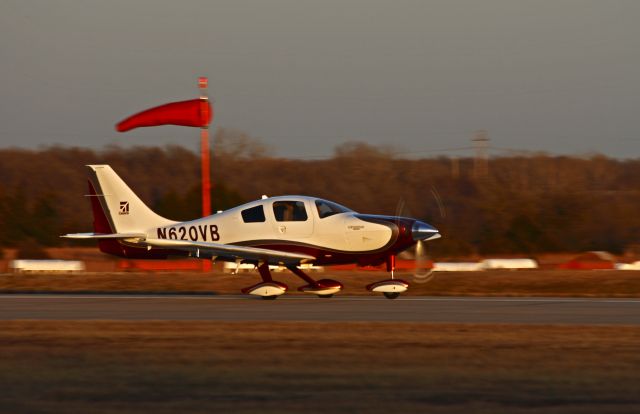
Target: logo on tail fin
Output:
[(124, 208)]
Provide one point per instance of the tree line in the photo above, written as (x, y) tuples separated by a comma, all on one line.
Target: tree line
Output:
[(524, 205)]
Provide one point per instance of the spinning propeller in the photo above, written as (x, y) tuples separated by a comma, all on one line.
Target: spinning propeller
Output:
[(423, 270)]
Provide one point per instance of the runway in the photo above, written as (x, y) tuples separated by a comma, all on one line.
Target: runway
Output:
[(338, 309)]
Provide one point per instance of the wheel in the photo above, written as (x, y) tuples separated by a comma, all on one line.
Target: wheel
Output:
[(270, 297), (391, 295), (326, 296)]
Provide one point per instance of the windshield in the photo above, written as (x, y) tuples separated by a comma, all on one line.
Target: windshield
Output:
[(328, 208)]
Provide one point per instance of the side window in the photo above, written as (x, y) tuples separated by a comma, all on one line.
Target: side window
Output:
[(289, 211), (253, 215)]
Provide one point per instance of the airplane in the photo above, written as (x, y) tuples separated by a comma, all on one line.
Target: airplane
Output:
[(286, 231)]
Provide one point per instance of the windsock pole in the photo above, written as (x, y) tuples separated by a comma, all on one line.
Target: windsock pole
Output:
[(205, 157), (205, 162)]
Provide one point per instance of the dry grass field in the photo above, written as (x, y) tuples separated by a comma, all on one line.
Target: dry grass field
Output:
[(606, 283), (205, 367)]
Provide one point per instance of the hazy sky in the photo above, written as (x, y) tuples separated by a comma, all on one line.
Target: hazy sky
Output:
[(561, 76)]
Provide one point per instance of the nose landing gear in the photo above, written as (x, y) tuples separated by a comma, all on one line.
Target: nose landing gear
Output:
[(390, 288)]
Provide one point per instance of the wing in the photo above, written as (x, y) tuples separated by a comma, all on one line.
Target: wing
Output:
[(231, 250), (205, 249)]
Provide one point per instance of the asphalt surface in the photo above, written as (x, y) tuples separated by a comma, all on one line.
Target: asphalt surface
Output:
[(290, 308)]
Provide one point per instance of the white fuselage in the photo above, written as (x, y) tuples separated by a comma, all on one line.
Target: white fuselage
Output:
[(341, 231)]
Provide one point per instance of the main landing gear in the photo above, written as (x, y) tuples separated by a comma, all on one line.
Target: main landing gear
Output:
[(324, 288), (270, 289), (390, 288)]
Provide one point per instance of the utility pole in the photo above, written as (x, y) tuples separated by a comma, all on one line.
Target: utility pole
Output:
[(481, 161)]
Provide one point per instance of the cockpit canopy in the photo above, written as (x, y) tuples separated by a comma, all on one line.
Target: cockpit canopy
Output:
[(292, 209)]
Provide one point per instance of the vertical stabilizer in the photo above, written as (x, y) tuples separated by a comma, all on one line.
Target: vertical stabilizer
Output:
[(122, 208)]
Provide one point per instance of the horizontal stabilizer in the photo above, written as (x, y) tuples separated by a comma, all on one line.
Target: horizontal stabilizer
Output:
[(98, 236)]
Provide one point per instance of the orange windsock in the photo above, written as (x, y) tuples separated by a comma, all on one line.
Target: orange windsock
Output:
[(192, 113)]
